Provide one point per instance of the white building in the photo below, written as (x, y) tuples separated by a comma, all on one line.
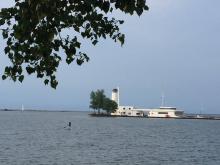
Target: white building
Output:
[(125, 110), (165, 112), (162, 112)]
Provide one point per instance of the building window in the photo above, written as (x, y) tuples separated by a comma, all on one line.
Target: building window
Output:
[(165, 113), (178, 113)]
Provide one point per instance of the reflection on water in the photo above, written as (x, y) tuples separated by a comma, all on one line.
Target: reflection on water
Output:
[(40, 138)]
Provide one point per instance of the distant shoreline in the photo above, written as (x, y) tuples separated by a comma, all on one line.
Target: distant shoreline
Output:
[(100, 115), (38, 110), (188, 116)]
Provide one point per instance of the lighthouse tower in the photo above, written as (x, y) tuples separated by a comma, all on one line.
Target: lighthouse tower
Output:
[(115, 95)]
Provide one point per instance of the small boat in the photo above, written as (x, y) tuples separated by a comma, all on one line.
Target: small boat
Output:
[(22, 108), (200, 117)]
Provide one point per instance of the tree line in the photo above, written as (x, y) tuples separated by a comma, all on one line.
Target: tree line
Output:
[(98, 102)]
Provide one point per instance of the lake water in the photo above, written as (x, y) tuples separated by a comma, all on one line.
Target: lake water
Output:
[(29, 138)]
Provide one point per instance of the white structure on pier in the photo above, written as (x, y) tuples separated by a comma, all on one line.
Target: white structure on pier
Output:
[(161, 112), (165, 112), (124, 110)]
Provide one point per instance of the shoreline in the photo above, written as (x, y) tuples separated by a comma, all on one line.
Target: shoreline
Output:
[(190, 116), (182, 118)]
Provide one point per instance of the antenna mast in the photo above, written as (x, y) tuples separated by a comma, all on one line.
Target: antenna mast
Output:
[(118, 96), (162, 99)]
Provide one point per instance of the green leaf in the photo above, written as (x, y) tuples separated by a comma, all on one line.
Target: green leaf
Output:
[(121, 21), (53, 83), (2, 22), (95, 42), (106, 6), (79, 61), (4, 77), (121, 38), (5, 34), (69, 60), (146, 8), (30, 70), (7, 49), (46, 81), (21, 78), (139, 11)]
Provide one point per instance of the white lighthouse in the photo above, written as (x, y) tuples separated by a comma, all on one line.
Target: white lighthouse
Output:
[(115, 95)]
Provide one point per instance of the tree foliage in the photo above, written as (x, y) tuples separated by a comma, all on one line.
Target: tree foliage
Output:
[(99, 101), (109, 105), (33, 32)]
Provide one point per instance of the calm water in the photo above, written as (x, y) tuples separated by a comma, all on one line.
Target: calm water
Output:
[(40, 138)]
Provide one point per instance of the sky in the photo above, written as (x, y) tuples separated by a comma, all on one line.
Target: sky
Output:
[(174, 48)]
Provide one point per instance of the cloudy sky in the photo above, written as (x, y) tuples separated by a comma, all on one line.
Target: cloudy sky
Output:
[(174, 49)]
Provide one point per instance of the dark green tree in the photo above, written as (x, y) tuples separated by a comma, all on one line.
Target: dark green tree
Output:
[(97, 100), (109, 105), (93, 101), (33, 32)]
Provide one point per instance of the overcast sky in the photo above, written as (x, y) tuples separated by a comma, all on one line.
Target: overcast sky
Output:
[(174, 49)]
